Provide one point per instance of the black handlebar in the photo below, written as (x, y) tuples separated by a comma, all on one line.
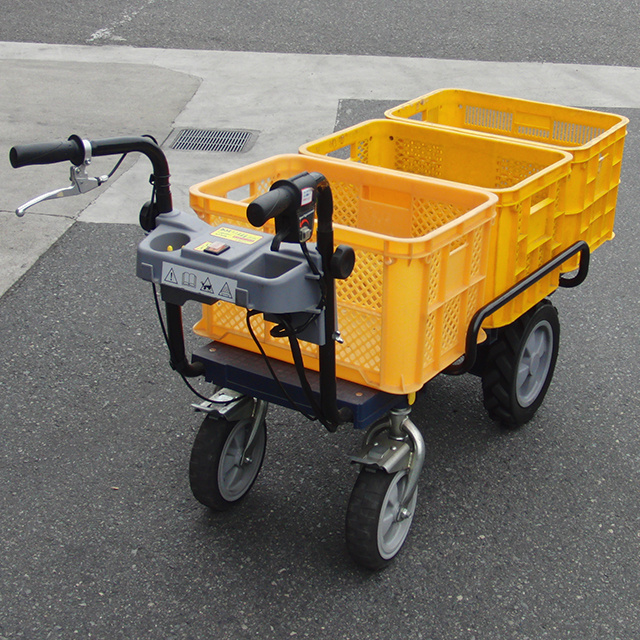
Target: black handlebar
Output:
[(47, 153), (270, 204), (75, 150), (293, 195)]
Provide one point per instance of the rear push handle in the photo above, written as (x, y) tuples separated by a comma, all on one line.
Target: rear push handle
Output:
[(79, 152), (567, 281)]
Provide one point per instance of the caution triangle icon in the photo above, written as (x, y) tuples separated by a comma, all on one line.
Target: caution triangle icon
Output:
[(225, 292), (171, 277)]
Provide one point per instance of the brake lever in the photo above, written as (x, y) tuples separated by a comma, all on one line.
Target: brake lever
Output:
[(80, 183)]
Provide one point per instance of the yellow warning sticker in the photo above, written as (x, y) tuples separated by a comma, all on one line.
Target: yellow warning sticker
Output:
[(203, 247), (236, 235)]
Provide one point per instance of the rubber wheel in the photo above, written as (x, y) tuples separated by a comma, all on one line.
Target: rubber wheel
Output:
[(519, 366), (374, 533), (219, 476)]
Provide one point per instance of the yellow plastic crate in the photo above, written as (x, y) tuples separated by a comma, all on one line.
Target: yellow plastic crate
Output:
[(595, 139), (530, 183), (422, 251)]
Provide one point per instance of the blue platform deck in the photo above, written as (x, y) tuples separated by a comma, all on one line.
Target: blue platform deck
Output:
[(248, 373)]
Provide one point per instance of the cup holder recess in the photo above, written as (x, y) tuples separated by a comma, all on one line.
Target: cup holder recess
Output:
[(270, 265), (169, 241)]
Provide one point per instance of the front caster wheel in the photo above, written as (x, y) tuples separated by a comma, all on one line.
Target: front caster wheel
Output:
[(520, 364), (222, 469), (377, 525)]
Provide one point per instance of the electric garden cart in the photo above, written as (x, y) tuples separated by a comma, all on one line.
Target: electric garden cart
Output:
[(338, 281)]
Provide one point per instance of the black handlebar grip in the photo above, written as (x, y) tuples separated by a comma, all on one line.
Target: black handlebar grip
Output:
[(269, 205), (47, 153)]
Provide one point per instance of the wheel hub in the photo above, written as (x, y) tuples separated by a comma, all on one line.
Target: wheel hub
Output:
[(237, 469), (534, 364), (395, 519)]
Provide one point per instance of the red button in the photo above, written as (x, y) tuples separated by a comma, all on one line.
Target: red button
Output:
[(216, 248)]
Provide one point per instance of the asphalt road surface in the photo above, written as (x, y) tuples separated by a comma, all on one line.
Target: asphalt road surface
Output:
[(574, 31)]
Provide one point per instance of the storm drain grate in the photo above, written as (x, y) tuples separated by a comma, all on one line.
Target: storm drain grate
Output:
[(227, 140)]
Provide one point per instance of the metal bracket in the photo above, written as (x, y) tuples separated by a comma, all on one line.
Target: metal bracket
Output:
[(395, 444), (385, 453), (227, 404), (234, 406), (80, 183)]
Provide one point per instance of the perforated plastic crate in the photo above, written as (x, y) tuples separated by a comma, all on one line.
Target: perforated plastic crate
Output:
[(530, 183), (422, 250), (595, 139)]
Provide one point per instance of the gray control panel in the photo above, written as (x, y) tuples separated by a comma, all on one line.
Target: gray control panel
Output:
[(192, 260)]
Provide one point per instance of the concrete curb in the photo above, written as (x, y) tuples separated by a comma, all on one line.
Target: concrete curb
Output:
[(56, 90)]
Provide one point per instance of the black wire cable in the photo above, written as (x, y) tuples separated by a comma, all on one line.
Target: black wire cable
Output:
[(316, 272), (116, 167), (166, 339), (285, 393), (283, 329), (279, 331), (299, 364)]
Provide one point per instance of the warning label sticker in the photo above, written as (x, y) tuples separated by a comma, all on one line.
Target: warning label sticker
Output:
[(306, 196), (199, 282), (236, 235)]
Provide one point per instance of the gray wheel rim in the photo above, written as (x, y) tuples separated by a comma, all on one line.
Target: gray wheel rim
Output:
[(534, 363), (235, 474), (391, 531)]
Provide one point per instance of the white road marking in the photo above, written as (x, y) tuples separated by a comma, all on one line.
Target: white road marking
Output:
[(108, 33)]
